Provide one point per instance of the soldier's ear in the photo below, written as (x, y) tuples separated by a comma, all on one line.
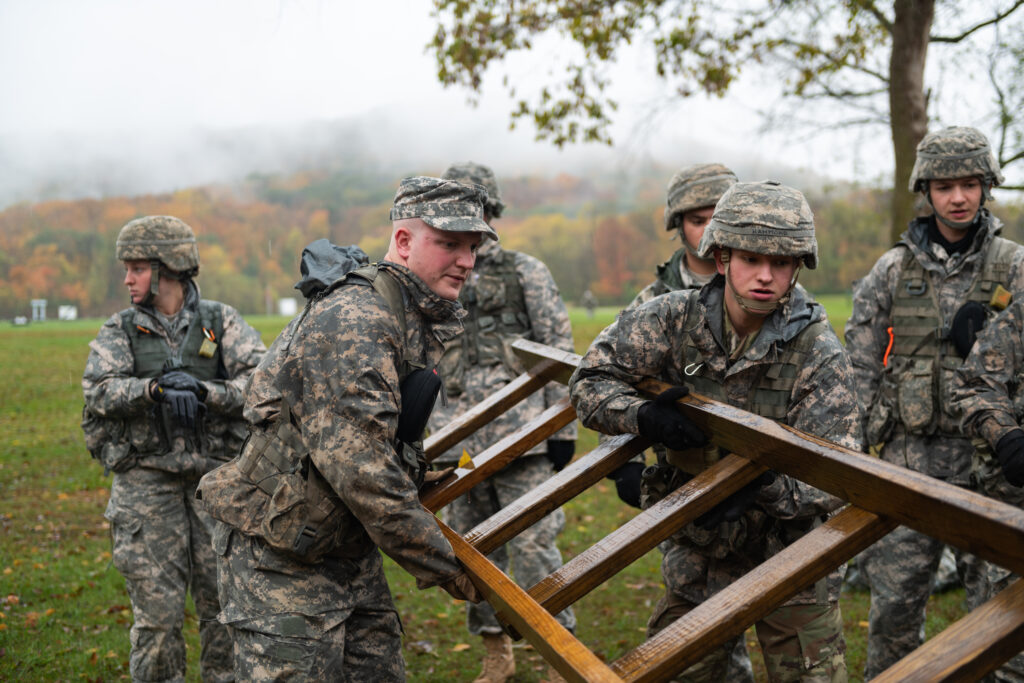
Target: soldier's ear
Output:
[(720, 261), (403, 241)]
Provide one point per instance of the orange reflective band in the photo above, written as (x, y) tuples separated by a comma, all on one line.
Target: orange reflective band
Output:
[(888, 349), (209, 334), (142, 329)]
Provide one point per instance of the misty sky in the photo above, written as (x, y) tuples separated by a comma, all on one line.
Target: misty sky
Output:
[(89, 82)]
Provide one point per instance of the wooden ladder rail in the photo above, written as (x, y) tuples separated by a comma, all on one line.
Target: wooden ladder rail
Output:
[(933, 503), (847, 474)]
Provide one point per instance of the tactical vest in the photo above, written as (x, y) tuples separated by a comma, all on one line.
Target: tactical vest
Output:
[(773, 390), (669, 279), (922, 362), (110, 440), (497, 311), (153, 355), (273, 491)]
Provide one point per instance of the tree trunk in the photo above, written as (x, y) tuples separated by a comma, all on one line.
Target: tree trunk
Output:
[(908, 106)]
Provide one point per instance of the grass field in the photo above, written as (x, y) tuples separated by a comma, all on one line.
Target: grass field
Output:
[(65, 614)]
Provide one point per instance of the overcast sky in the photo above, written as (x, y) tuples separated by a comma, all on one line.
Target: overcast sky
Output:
[(120, 80)]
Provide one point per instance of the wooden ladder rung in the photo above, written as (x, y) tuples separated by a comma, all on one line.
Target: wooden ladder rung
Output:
[(500, 454), (487, 410), (632, 540), (514, 606), (970, 648), (753, 596), (563, 486)]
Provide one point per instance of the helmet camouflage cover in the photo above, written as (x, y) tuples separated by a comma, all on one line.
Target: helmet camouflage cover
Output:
[(471, 172), (763, 218), (954, 152), (160, 238), (695, 187)]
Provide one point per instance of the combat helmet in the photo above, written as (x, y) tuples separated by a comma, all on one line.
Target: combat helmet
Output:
[(695, 187), (764, 218), (955, 152), (471, 172), (163, 241)]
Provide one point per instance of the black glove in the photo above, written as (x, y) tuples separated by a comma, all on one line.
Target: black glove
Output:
[(183, 405), (966, 324), (1010, 452), (733, 507), (627, 482), (560, 453), (660, 421), (179, 379)]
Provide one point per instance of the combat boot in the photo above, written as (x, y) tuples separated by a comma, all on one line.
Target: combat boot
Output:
[(499, 662)]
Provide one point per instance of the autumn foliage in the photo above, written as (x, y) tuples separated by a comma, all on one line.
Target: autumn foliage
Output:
[(606, 235)]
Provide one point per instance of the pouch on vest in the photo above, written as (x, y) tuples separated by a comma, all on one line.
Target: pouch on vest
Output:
[(916, 394), (273, 491), (106, 442), (882, 412)]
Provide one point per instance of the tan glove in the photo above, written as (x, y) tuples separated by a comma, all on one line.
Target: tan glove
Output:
[(462, 588), (434, 478)]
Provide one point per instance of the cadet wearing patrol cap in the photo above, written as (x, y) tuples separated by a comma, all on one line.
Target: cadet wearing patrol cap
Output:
[(163, 392), (331, 470), (914, 320), (510, 295), (725, 340)]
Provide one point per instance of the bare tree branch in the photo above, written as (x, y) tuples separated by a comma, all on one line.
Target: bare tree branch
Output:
[(877, 13), (994, 20)]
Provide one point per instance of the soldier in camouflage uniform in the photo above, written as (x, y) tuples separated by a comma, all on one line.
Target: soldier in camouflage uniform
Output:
[(727, 340), (989, 393), (333, 389), (510, 295), (912, 324), (164, 386), (690, 202)]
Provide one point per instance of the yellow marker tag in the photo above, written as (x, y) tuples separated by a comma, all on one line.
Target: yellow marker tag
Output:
[(1000, 298), (207, 349), (465, 461)]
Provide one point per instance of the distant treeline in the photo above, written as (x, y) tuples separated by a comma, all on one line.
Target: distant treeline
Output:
[(603, 235)]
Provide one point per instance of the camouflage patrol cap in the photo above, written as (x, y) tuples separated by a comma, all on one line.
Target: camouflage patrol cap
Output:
[(954, 152), (695, 187), (443, 204), (764, 218), (159, 238), (470, 172)]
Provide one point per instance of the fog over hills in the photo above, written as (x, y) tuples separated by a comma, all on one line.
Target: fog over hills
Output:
[(72, 165)]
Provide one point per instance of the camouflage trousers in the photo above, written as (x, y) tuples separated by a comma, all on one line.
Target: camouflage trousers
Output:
[(532, 554), (162, 548), (799, 642), (899, 569), (291, 621)]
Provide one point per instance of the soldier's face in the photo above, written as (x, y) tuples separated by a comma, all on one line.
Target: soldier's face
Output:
[(694, 222), (137, 275), (955, 199), (441, 258), (758, 276)]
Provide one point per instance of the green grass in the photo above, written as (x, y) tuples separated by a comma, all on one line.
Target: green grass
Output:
[(64, 612)]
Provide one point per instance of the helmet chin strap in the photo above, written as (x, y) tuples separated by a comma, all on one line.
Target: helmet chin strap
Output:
[(154, 284), (753, 306), (690, 249)]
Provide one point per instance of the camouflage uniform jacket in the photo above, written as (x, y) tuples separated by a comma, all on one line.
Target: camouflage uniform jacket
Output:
[(649, 342), (340, 376), (951, 280), (988, 387), (672, 275), (468, 384), (112, 391)]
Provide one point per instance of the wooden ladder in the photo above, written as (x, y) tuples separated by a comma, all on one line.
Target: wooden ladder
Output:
[(881, 496)]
